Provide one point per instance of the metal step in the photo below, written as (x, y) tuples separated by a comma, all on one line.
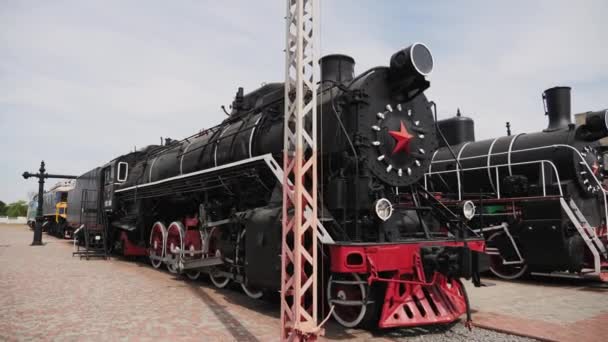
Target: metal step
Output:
[(585, 224), (584, 233)]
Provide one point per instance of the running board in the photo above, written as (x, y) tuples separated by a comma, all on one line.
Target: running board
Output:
[(199, 263), (218, 223), (189, 264), (589, 276), (90, 254)]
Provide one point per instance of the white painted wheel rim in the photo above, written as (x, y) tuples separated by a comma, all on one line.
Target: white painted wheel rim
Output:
[(217, 280), (173, 248), (170, 263), (501, 275), (156, 263), (255, 294), (336, 316), (192, 275)]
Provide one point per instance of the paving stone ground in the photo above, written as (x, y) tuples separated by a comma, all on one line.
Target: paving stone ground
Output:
[(546, 308), (45, 294)]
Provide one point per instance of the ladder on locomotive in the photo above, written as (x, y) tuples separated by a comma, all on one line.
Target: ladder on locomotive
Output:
[(586, 231), (94, 227)]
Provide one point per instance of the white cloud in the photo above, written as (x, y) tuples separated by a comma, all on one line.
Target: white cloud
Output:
[(84, 81), (516, 52)]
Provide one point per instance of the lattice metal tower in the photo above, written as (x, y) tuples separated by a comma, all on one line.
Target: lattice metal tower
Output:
[(299, 242)]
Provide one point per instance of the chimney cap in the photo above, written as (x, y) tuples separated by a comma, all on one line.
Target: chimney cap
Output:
[(558, 87), (334, 56)]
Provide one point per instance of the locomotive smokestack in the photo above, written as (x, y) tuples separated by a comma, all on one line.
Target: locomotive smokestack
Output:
[(337, 68), (557, 106)]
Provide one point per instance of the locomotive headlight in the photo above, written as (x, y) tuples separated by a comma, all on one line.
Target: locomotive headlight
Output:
[(415, 59), (468, 209), (384, 209)]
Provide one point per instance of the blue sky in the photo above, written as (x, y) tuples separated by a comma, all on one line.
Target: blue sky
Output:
[(84, 81)]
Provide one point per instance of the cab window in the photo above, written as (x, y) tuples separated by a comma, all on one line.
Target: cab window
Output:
[(123, 171)]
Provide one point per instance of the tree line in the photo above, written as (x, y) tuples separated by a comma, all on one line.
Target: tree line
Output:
[(14, 209)]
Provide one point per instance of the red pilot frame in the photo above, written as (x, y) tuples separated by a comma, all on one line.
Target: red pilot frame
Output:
[(416, 292)]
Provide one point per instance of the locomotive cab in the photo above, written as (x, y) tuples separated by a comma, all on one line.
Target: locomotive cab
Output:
[(114, 173)]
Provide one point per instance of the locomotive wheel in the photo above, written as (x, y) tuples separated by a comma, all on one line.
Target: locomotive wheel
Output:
[(175, 244), (347, 293), (220, 281), (192, 275), (156, 248), (499, 269), (217, 279), (252, 292), (193, 242)]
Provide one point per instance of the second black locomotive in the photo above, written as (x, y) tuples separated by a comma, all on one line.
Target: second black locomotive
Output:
[(540, 199)]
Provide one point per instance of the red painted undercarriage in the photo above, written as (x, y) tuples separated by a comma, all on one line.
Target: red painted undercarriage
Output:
[(413, 292), (412, 297)]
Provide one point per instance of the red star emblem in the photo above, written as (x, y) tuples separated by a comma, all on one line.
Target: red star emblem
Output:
[(402, 139), (595, 168)]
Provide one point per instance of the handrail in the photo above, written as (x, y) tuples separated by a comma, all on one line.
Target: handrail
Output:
[(496, 167), (581, 158)]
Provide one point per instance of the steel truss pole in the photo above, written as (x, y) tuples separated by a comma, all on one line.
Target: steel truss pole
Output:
[(299, 238)]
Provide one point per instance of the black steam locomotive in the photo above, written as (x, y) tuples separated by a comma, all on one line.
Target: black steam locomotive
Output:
[(540, 199), (212, 202)]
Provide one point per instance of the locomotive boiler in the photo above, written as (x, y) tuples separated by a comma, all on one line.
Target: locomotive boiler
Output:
[(392, 254), (541, 194)]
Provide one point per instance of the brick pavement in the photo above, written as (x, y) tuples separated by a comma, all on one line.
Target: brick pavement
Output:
[(544, 308), (45, 294)]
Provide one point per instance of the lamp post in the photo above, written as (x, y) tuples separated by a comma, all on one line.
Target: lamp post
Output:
[(41, 175)]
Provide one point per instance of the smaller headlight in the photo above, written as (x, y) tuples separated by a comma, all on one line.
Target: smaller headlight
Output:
[(384, 209), (468, 209)]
